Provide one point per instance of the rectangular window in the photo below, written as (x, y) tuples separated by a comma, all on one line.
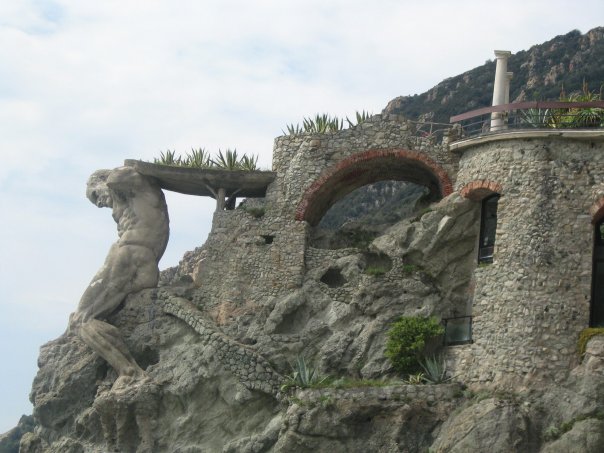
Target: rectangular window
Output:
[(488, 228), (597, 287)]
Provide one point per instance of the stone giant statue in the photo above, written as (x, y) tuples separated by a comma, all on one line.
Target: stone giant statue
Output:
[(139, 209)]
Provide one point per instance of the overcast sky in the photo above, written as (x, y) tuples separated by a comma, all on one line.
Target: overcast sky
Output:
[(87, 84)]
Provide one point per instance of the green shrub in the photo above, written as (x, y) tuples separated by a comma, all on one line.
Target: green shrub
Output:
[(585, 336), (255, 211), (409, 269), (407, 340), (551, 433), (375, 270)]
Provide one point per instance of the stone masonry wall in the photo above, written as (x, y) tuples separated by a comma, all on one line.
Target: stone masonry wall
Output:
[(252, 370), (531, 303), (299, 160), (247, 258)]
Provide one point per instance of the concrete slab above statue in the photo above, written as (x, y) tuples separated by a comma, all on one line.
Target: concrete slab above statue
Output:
[(140, 211), (206, 181)]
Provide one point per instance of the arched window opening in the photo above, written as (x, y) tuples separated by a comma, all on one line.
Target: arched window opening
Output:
[(597, 296), (488, 228)]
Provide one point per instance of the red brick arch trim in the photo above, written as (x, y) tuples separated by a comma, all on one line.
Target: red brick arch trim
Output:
[(368, 167), (597, 211), (479, 189)]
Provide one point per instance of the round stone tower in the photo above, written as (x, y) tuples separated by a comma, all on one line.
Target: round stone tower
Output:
[(532, 294)]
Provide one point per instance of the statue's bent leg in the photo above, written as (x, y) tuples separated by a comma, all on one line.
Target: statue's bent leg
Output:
[(107, 342)]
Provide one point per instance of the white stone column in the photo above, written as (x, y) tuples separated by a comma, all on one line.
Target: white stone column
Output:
[(499, 88), (509, 76), (508, 80)]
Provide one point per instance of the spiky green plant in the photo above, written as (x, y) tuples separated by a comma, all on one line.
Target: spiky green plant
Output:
[(168, 158), (228, 160), (322, 124), (293, 129), (199, 158), (535, 117), (248, 163), (415, 379), (435, 369), (303, 375), (360, 117)]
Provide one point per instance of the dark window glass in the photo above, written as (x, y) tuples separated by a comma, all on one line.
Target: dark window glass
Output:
[(488, 228), (597, 296), (600, 233)]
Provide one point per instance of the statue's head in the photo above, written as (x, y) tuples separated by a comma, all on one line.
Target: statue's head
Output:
[(97, 190)]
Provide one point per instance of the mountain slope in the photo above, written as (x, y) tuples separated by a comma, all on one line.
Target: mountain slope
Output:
[(540, 73)]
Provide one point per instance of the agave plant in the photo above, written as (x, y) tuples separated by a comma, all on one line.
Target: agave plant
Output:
[(199, 158), (322, 124), (303, 375), (249, 163), (535, 117), (227, 161), (168, 158), (435, 369), (293, 130), (360, 116)]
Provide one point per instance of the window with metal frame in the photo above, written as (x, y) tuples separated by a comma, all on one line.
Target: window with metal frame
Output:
[(488, 228)]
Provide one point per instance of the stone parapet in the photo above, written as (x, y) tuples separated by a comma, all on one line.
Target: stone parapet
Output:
[(300, 160), (442, 393), (252, 370)]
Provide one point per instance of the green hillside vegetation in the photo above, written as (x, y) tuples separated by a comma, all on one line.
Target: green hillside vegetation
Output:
[(540, 73)]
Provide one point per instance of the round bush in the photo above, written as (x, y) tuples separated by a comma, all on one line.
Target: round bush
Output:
[(407, 339)]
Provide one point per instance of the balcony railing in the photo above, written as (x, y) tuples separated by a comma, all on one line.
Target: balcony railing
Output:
[(546, 115)]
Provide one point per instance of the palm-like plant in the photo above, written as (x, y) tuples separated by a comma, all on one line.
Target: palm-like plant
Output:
[(322, 124), (199, 158), (168, 158), (249, 163), (227, 161), (535, 117), (360, 116), (579, 117), (293, 129)]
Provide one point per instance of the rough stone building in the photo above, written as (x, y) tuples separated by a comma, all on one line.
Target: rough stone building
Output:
[(528, 303), (506, 248)]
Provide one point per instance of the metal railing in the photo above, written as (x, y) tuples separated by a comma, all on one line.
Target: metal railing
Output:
[(547, 115), (458, 330), (431, 131)]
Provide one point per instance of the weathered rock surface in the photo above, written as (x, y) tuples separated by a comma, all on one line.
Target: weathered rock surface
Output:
[(217, 355)]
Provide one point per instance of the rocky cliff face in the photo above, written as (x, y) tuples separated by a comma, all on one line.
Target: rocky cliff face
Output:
[(540, 73), (217, 336), (216, 369)]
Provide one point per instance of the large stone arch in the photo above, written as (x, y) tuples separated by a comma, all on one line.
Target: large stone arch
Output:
[(366, 168)]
